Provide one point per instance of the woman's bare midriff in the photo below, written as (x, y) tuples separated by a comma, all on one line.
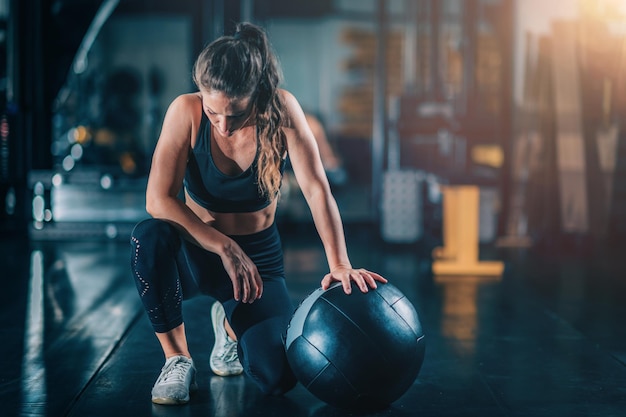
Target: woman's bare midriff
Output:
[(235, 223)]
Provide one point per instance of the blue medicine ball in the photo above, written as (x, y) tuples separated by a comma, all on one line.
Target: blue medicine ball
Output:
[(357, 351)]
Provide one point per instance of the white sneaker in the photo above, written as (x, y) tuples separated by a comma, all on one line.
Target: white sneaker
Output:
[(178, 376), (224, 359)]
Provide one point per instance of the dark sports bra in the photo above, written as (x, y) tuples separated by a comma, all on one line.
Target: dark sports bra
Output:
[(216, 191)]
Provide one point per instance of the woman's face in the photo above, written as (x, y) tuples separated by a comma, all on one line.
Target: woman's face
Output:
[(226, 114)]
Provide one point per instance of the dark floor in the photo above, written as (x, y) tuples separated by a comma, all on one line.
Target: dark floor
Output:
[(547, 339)]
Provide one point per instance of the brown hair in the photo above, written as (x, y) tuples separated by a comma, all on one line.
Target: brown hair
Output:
[(244, 65)]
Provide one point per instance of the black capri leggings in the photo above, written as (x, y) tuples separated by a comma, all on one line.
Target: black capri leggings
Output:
[(168, 269)]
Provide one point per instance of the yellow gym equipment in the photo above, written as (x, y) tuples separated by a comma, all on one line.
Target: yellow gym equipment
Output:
[(459, 254)]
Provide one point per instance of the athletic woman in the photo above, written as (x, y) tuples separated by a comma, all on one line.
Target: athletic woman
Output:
[(224, 147)]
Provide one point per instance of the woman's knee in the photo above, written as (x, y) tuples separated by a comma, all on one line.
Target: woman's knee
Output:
[(274, 382), (153, 248), (264, 358), (150, 229), (154, 236)]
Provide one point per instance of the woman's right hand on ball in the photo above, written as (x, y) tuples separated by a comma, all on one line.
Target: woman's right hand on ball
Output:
[(247, 283)]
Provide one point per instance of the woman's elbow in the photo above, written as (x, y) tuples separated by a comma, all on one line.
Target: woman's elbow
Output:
[(319, 192), (154, 205), (151, 208)]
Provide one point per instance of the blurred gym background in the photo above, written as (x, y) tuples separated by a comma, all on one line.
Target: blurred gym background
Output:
[(522, 99)]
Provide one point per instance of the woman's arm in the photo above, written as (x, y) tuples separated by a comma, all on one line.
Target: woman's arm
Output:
[(309, 172), (169, 162)]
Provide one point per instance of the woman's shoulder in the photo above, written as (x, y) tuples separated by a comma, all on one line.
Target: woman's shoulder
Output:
[(288, 99), (186, 108), (292, 108), (187, 101), (183, 117)]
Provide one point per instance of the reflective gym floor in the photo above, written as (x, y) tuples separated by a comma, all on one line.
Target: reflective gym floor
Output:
[(545, 339)]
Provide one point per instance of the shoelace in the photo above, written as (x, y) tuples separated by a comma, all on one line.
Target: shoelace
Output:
[(230, 352), (176, 371)]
